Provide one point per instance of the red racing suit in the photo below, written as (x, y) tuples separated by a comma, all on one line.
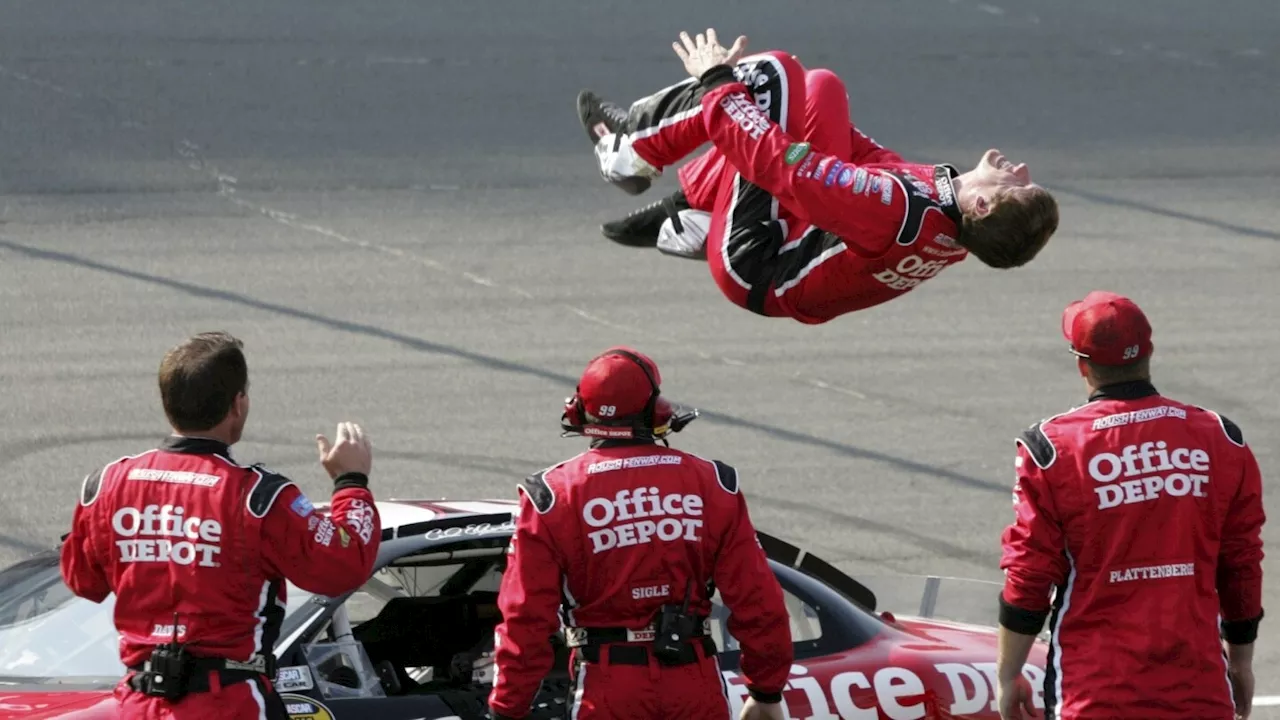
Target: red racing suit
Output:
[(608, 538), (811, 219), (184, 529), (1144, 514)]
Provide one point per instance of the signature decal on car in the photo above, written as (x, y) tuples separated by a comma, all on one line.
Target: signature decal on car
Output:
[(475, 530)]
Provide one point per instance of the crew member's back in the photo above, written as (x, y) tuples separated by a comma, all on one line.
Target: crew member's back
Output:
[(1144, 514), (188, 542), (638, 499), (623, 546), (1145, 488), (197, 548)]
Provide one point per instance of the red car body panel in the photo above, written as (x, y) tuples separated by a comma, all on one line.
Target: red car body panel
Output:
[(918, 670), (67, 705)]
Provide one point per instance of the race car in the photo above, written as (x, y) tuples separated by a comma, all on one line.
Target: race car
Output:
[(413, 643)]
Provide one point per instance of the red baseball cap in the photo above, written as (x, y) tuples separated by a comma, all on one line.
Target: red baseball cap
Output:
[(1107, 328), (615, 384)]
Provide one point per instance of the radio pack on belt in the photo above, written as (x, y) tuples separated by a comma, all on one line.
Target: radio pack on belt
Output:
[(675, 628), (168, 671)]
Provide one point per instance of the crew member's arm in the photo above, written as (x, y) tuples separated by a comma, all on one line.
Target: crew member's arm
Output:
[(799, 176), (1034, 558), (528, 599), (757, 612), (81, 566), (322, 555), (1239, 578)]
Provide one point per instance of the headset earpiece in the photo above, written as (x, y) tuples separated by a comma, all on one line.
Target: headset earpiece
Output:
[(574, 416)]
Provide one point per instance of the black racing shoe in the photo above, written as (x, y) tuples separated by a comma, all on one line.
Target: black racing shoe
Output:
[(599, 118), (640, 227)]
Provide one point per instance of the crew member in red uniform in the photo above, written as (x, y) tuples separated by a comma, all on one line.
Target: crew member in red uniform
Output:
[(808, 218), (197, 547), (1142, 517), (628, 541)]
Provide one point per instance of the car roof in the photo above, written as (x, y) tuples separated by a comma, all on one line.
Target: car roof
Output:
[(410, 526), (399, 513), (408, 515)]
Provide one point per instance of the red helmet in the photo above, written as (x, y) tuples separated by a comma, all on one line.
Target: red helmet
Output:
[(619, 397)]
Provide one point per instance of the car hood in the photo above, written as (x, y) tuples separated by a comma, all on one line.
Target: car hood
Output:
[(39, 704)]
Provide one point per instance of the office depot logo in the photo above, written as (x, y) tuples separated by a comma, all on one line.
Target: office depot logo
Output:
[(646, 515), (1145, 469), (159, 533)]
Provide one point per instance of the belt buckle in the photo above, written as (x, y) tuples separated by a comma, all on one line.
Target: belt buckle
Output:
[(575, 637), (257, 664)]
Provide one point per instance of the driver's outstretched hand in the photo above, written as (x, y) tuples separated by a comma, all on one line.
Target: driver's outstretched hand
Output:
[(705, 53)]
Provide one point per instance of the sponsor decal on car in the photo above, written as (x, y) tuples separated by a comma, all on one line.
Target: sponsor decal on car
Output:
[(301, 707), (20, 707), (898, 691), (294, 677), (796, 152)]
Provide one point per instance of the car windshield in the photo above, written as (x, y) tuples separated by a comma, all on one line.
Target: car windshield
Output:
[(48, 632)]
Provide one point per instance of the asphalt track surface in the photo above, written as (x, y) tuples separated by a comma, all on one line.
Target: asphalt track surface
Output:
[(393, 205)]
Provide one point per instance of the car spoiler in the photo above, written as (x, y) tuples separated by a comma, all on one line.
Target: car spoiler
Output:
[(817, 568)]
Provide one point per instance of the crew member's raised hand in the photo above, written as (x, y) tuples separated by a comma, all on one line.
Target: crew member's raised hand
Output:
[(350, 453), (705, 53)]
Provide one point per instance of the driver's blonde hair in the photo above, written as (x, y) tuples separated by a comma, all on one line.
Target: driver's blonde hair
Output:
[(1015, 231)]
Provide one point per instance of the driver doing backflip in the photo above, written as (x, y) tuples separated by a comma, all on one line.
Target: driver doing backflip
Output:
[(628, 542), (797, 213)]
